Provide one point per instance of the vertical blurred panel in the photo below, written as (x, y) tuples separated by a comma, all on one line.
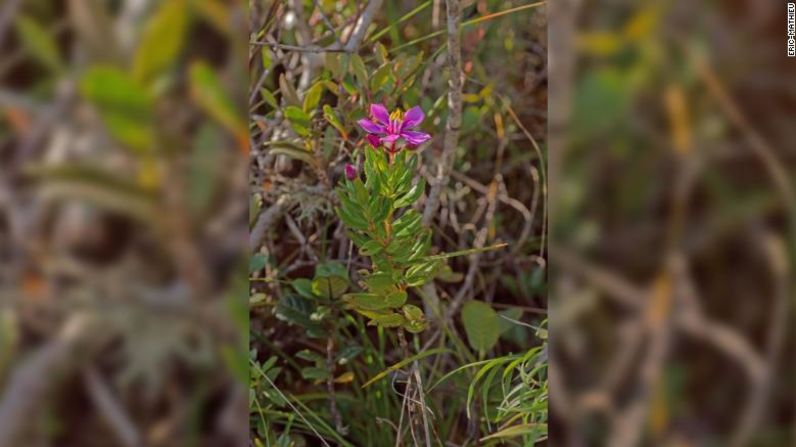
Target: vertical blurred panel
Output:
[(123, 148), (674, 224)]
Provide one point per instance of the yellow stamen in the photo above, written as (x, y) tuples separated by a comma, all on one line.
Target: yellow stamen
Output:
[(396, 115)]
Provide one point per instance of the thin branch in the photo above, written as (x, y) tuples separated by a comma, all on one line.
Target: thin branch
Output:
[(454, 110), (111, 409), (362, 26)]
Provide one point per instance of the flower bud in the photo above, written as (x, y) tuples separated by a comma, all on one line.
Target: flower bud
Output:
[(350, 171)]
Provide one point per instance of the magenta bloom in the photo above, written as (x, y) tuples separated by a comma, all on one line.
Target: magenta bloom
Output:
[(394, 131), (350, 171)]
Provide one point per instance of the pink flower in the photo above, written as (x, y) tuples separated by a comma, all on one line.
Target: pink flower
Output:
[(394, 130), (350, 171)]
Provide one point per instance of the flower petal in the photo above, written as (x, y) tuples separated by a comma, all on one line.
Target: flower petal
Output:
[(379, 113), (390, 139), (373, 140), (413, 117), (415, 138), (370, 127)]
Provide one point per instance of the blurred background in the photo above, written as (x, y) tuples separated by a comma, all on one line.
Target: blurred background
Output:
[(673, 224), (123, 143)]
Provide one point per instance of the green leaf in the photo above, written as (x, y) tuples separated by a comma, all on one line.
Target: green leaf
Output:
[(375, 301), (39, 43), (162, 41), (269, 98), (313, 97), (381, 77), (379, 283), (205, 167), (331, 117), (411, 197), (310, 356), (288, 92), (348, 353), (481, 325), (383, 318), (125, 107), (331, 268), (415, 320), (329, 287), (297, 310), (403, 363), (209, 94), (299, 121), (257, 263), (358, 67), (371, 248), (303, 287), (315, 373)]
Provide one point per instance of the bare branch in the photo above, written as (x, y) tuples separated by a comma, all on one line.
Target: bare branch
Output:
[(454, 110)]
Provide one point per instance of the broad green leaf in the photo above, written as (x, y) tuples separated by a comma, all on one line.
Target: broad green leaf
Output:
[(379, 283), (383, 318), (39, 43), (331, 268), (209, 94), (329, 287), (303, 287), (125, 107), (481, 325), (375, 301), (299, 121), (162, 41), (415, 320)]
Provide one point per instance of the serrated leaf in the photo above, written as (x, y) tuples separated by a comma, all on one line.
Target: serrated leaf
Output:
[(481, 325)]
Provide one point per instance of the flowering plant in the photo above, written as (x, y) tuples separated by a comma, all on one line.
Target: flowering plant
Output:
[(394, 130), (382, 223)]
